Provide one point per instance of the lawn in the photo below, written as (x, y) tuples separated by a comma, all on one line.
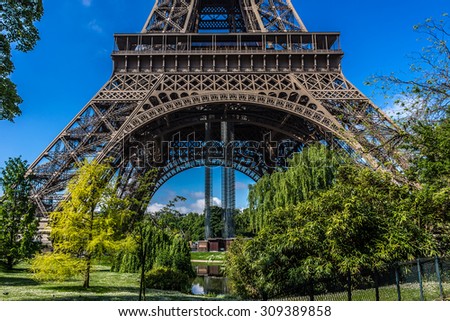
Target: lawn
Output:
[(19, 285), (208, 256), (409, 292)]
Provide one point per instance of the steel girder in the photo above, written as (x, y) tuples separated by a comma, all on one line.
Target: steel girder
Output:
[(275, 82), (184, 16), (129, 103)]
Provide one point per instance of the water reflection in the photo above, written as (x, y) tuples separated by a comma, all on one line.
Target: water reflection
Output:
[(209, 280)]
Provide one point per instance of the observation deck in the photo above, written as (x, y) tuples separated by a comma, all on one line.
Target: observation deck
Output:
[(231, 52)]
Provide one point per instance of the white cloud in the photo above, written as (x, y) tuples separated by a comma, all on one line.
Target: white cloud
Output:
[(93, 25), (155, 207), (217, 201), (182, 209), (86, 3), (241, 185), (199, 204), (197, 194), (152, 208)]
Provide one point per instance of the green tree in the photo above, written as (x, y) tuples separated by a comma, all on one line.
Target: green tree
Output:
[(192, 226), (424, 113), (372, 223), (149, 240), (88, 223), (311, 170), (16, 27), (159, 245), (169, 217), (242, 222), (18, 224), (362, 222), (217, 221)]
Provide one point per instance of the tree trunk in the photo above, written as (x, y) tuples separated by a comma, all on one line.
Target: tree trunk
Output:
[(88, 256), (377, 285), (142, 282), (349, 285), (87, 272), (311, 290), (9, 263)]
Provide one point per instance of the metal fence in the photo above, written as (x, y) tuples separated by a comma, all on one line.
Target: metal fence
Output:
[(425, 279)]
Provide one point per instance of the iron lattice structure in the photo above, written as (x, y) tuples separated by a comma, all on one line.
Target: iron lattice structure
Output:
[(200, 65)]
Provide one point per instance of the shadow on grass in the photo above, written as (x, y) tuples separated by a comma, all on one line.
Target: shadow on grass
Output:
[(14, 281), (126, 297), (13, 271), (92, 289), (89, 298)]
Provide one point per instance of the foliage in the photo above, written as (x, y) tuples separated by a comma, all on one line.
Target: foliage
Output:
[(242, 221), (430, 145), (362, 222), (311, 170), (425, 105), (16, 27), (192, 225), (169, 217), (147, 242), (157, 239), (56, 267), (217, 221), (165, 278), (424, 95), (180, 254), (89, 222), (371, 221), (18, 225), (161, 247)]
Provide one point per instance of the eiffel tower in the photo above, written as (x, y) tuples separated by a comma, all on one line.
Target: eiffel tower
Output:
[(240, 84)]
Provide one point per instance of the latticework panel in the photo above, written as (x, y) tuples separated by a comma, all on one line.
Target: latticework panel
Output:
[(278, 15), (231, 15), (87, 135), (169, 16), (132, 101), (375, 131)]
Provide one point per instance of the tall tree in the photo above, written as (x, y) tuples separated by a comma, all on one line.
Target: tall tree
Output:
[(311, 170), (425, 114), (217, 221), (423, 94), (18, 225), (88, 223), (16, 28)]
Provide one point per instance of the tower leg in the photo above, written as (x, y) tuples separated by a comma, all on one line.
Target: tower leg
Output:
[(208, 184), (228, 181)]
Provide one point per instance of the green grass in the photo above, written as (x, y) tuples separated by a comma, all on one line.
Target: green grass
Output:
[(409, 292), (19, 285), (208, 256)]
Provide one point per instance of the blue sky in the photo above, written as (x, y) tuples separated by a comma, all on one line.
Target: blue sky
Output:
[(72, 62)]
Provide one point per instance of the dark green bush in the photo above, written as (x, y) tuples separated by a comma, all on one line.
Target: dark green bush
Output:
[(164, 278)]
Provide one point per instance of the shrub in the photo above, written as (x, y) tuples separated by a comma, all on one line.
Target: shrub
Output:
[(164, 278)]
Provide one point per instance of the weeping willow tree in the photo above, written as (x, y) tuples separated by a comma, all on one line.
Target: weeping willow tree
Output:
[(154, 247), (149, 241), (313, 169)]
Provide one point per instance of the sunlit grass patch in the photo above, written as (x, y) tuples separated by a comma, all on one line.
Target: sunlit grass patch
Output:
[(19, 285)]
